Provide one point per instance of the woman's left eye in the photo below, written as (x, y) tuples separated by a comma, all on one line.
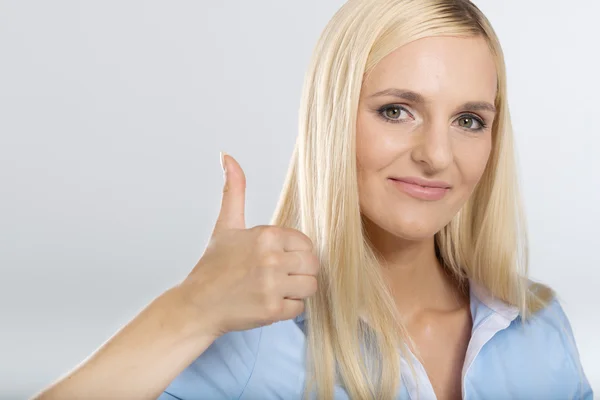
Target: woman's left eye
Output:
[(467, 122)]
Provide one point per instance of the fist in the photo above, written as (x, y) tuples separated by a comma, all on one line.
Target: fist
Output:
[(248, 278)]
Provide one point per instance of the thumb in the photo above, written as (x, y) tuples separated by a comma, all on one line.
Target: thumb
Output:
[(231, 215)]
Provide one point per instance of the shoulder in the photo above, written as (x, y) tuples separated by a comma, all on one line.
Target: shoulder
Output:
[(551, 327), (543, 349)]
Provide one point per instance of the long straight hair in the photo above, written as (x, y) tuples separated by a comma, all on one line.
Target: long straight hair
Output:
[(485, 242)]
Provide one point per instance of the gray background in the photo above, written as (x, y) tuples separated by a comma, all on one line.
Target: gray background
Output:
[(112, 115)]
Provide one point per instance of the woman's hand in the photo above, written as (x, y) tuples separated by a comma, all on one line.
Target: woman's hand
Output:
[(249, 277)]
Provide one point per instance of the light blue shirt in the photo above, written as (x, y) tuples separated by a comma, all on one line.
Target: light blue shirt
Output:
[(506, 359)]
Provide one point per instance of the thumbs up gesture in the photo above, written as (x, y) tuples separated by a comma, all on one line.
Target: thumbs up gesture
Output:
[(248, 278)]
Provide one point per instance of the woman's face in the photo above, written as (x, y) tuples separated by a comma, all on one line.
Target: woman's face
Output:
[(424, 133)]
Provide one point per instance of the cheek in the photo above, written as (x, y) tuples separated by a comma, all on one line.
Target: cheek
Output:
[(367, 146), (472, 161), (374, 152), (377, 146)]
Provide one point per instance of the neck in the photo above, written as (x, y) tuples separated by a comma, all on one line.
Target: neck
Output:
[(415, 276)]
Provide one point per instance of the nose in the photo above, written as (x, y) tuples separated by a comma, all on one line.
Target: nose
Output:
[(433, 149)]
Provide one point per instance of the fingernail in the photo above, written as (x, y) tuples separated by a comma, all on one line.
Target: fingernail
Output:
[(223, 163), (224, 166)]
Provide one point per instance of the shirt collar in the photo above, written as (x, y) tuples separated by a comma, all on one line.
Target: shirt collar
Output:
[(483, 303)]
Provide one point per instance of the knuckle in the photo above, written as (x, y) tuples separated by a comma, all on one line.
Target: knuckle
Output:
[(271, 260), (273, 309), (313, 264), (267, 284), (266, 233), (309, 243), (312, 285), (259, 228), (304, 238)]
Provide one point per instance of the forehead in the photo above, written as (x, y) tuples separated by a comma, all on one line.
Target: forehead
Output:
[(460, 68)]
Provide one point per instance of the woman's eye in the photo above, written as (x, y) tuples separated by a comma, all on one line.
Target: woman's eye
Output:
[(392, 113), (471, 123)]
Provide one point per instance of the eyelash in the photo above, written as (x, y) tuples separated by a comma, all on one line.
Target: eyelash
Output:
[(381, 110)]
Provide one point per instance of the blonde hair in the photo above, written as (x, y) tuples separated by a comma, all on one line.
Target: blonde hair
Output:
[(485, 241)]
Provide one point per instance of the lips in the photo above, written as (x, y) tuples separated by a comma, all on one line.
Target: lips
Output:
[(421, 189), (423, 182)]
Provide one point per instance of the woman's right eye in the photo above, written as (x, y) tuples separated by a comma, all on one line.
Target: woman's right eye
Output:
[(390, 113)]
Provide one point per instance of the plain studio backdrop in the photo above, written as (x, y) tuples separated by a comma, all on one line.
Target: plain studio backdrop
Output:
[(112, 116)]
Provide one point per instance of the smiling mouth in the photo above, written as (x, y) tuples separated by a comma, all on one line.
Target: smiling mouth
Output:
[(421, 192)]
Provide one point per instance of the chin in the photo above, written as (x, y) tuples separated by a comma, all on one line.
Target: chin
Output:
[(413, 233), (417, 222), (413, 229)]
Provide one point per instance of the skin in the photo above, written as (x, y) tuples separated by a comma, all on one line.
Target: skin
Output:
[(436, 140)]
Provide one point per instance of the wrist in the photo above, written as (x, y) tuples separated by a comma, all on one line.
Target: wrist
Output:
[(185, 316)]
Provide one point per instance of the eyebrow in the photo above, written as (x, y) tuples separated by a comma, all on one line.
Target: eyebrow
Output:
[(418, 98)]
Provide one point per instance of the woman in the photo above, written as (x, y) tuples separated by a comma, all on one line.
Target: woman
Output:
[(401, 201)]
